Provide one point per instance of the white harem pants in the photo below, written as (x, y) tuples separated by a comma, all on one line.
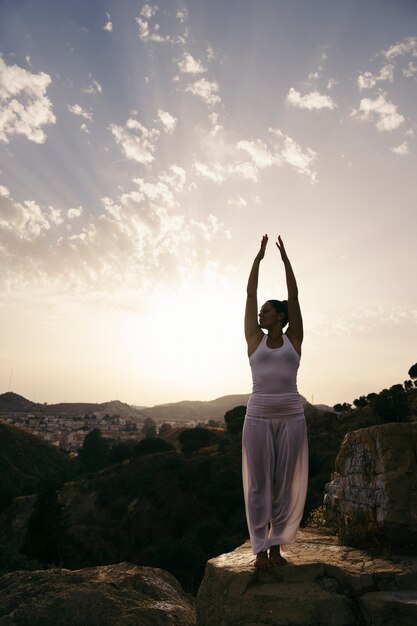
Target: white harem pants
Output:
[(275, 471)]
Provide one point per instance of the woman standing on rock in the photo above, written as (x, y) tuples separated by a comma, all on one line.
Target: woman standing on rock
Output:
[(275, 452)]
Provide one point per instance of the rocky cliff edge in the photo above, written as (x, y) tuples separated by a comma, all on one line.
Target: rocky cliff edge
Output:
[(324, 584)]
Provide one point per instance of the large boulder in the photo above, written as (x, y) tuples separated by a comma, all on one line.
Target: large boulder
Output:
[(96, 596), (323, 584), (372, 497)]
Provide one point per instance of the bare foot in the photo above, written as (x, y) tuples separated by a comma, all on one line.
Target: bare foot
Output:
[(275, 557), (262, 561)]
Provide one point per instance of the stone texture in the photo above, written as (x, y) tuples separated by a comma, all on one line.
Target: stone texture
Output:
[(372, 496), (96, 596), (324, 584)]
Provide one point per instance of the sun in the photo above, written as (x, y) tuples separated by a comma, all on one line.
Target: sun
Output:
[(184, 342)]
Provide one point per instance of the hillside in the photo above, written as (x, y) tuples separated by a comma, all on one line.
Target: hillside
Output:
[(26, 461), (11, 402), (195, 410)]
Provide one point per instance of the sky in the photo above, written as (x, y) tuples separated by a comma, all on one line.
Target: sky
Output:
[(144, 151)]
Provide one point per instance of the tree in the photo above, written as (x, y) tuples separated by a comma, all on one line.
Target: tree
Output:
[(149, 428), (94, 451), (342, 408), (165, 428), (408, 384), (391, 405), (195, 439), (46, 530), (360, 402), (234, 419), (412, 372), (152, 445)]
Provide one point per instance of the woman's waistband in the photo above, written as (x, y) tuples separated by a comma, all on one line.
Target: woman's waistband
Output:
[(279, 405)]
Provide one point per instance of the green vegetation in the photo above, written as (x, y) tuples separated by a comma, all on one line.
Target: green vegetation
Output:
[(26, 461)]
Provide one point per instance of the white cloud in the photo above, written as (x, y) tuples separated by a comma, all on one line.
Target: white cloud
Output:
[(214, 172), (409, 45), (136, 141), (73, 213), (239, 201), (24, 106), (168, 121), (206, 90), (385, 112), (190, 65), (94, 87), (148, 32), (367, 80), (311, 101), (131, 245), (259, 152), (182, 15), (292, 153), (149, 11), (4, 191), (247, 170), (24, 220), (76, 109), (402, 149), (410, 70), (108, 26), (85, 128), (283, 150), (163, 191), (332, 82)]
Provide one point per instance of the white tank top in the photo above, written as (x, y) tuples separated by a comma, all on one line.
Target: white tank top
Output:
[(274, 376)]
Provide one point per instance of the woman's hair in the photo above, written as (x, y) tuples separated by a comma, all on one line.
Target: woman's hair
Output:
[(281, 306)]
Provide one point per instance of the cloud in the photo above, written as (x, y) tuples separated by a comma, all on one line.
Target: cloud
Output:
[(108, 26), (76, 109), (410, 70), (189, 65), (407, 46), (367, 80), (239, 201), (148, 32), (259, 152), (380, 108), (94, 87), (311, 101), (163, 191), (25, 220), (24, 106), (402, 149), (168, 121), (73, 213), (205, 90), (291, 152), (214, 172), (136, 141), (133, 245)]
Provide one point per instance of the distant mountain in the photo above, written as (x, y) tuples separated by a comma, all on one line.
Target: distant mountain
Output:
[(13, 403), (114, 407), (184, 411), (188, 410)]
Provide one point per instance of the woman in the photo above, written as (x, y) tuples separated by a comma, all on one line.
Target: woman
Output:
[(275, 453)]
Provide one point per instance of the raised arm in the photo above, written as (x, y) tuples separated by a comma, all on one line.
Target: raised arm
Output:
[(253, 332), (295, 331)]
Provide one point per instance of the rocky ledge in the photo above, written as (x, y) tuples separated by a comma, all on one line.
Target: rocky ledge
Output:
[(96, 596), (323, 584)]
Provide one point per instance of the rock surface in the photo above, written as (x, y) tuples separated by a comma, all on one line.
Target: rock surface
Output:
[(373, 493), (323, 584), (96, 596)]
